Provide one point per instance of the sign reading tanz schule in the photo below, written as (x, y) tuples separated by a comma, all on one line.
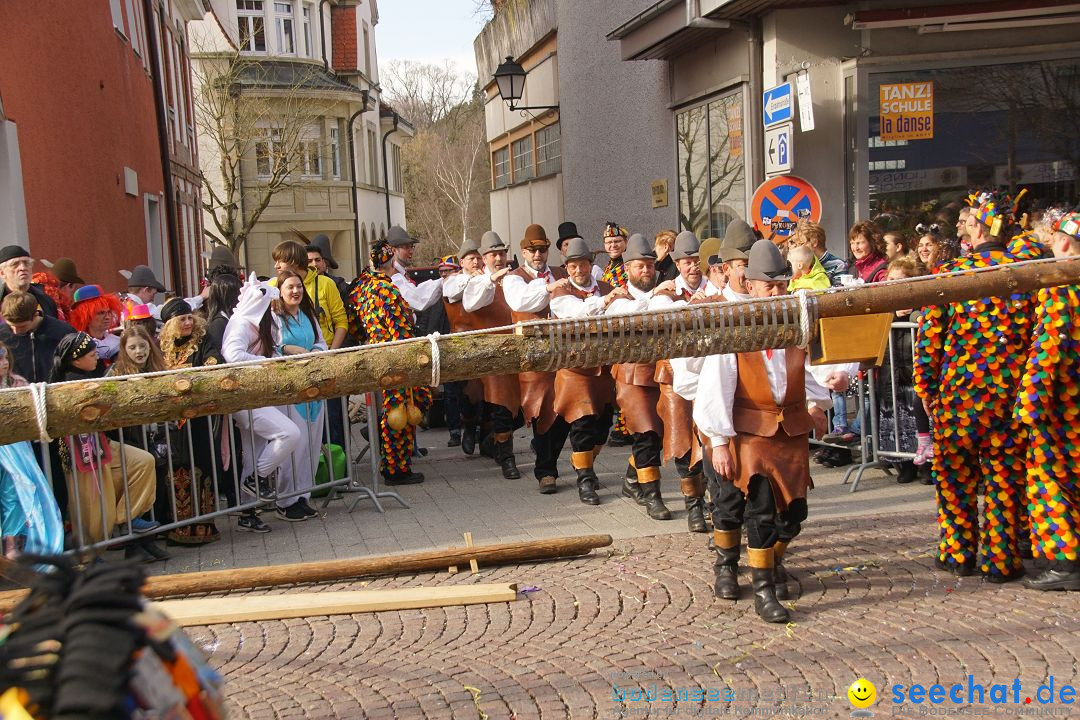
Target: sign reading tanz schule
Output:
[(907, 111)]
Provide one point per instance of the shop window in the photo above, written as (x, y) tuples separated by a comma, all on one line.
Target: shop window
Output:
[(548, 150), (934, 134), (500, 165), (523, 159), (711, 165)]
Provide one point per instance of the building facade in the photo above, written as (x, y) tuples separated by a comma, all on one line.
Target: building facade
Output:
[(312, 63), (584, 161), (898, 108), (97, 158)]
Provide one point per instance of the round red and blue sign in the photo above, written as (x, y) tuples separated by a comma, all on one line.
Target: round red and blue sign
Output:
[(780, 202)]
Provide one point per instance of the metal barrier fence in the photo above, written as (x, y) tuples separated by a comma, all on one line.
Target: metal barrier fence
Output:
[(199, 466)]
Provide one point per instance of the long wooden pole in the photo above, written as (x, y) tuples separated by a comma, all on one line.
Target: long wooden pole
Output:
[(698, 330), (161, 586)]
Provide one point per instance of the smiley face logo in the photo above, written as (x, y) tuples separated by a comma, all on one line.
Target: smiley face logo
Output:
[(862, 693)]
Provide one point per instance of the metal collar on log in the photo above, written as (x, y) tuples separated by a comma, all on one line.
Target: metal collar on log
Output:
[(545, 345)]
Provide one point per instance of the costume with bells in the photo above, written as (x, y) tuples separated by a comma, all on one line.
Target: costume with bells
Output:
[(968, 365), (614, 274), (386, 317), (755, 403), (1049, 406)]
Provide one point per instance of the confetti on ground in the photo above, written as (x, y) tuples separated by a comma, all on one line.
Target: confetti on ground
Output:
[(528, 589), (475, 692)]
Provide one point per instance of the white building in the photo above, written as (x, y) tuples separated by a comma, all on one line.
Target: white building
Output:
[(322, 52)]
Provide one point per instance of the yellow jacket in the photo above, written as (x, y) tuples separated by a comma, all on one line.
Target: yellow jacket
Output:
[(816, 279)]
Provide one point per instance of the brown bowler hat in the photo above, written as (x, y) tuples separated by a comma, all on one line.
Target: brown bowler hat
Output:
[(535, 237)]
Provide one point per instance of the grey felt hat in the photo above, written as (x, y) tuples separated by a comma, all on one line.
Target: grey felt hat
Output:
[(638, 248), (577, 249), (686, 246), (468, 247), (491, 242), (143, 276), (399, 237), (739, 236), (766, 263)]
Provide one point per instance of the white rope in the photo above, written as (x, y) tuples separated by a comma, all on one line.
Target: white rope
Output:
[(436, 360), (803, 296), (41, 413)]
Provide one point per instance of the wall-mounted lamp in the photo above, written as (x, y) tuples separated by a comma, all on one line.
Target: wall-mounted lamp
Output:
[(510, 78)]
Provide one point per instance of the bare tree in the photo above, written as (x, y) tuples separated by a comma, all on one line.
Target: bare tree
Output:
[(446, 164), (248, 112), (424, 93)]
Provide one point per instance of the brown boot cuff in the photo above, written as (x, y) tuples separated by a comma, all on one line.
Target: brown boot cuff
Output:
[(760, 557), (690, 487), (648, 475), (503, 436), (582, 460), (779, 549), (726, 539), (632, 463)]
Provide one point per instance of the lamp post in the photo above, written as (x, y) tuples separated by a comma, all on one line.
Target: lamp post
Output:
[(510, 79)]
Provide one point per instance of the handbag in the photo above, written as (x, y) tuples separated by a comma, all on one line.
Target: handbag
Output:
[(322, 475)]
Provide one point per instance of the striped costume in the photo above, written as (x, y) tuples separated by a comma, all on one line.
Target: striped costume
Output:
[(1049, 406), (615, 276), (386, 317), (968, 366)]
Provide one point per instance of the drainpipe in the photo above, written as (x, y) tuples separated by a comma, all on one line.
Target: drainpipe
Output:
[(385, 171), (756, 48), (322, 32), (352, 173), (163, 141)]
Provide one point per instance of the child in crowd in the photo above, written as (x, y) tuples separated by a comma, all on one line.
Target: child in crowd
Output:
[(807, 273)]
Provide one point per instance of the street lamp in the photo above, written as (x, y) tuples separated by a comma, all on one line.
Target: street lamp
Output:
[(510, 79)]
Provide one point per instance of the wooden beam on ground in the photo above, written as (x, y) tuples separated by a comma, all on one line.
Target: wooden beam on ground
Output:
[(162, 586), (249, 608)]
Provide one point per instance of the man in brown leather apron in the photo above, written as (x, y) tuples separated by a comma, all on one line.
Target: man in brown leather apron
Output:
[(680, 438), (527, 291), (469, 394), (752, 407), (583, 396), (483, 300), (636, 389)]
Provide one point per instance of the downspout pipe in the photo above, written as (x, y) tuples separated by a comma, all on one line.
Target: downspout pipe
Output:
[(352, 174), (322, 32), (158, 80), (385, 170), (756, 50)]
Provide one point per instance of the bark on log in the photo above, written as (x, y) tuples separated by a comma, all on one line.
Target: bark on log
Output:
[(695, 331), (162, 586)]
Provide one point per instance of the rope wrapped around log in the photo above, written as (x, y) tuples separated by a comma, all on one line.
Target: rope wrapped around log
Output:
[(693, 331)]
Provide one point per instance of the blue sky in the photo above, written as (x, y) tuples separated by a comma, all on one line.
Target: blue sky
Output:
[(428, 31)]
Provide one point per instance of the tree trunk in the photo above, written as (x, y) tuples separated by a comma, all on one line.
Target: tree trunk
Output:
[(699, 330)]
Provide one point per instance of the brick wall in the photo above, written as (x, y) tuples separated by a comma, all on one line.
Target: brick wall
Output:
[(343, 23)]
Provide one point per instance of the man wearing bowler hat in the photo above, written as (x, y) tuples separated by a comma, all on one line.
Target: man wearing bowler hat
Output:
[(483, 299), (143, 287), (756, 410), (419, 296), (528, 292), (468, 394), (583, 396), (568, 231)]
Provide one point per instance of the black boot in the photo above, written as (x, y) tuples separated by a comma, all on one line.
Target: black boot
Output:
[(468, 437), (487, 446), (726, 567), (586, 486), (1059, 575), (779, 573), (695, 514), (630, 487), (504, 455), (650, 496), (766, 605), (907, 473), (152, 549), (455, 439)]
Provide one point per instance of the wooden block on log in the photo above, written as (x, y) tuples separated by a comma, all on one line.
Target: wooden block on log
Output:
[(249, 608)]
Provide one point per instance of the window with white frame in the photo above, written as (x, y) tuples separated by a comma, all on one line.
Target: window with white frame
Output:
[(548, 150), (335, 153), (117, 16), (269, 152), (283, 15), (310, 160), (500, 165), (251, 19), (309, 47), (373, 157), (523, 158)]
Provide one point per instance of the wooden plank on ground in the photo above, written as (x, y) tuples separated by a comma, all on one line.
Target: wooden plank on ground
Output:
[(247, 608)]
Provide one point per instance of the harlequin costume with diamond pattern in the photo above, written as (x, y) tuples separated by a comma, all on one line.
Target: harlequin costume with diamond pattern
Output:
[(1049, 406), (968, 366), (385, 317), (615, 275)]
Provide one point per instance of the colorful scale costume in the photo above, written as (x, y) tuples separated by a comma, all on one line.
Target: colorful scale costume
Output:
[(615, 276), (969, 364), (1049, 405), (386, 317)]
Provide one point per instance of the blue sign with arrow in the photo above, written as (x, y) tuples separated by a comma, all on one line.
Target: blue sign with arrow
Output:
[(776, 105)]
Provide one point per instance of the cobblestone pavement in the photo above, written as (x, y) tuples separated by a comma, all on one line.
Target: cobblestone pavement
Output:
[(641, 615)]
